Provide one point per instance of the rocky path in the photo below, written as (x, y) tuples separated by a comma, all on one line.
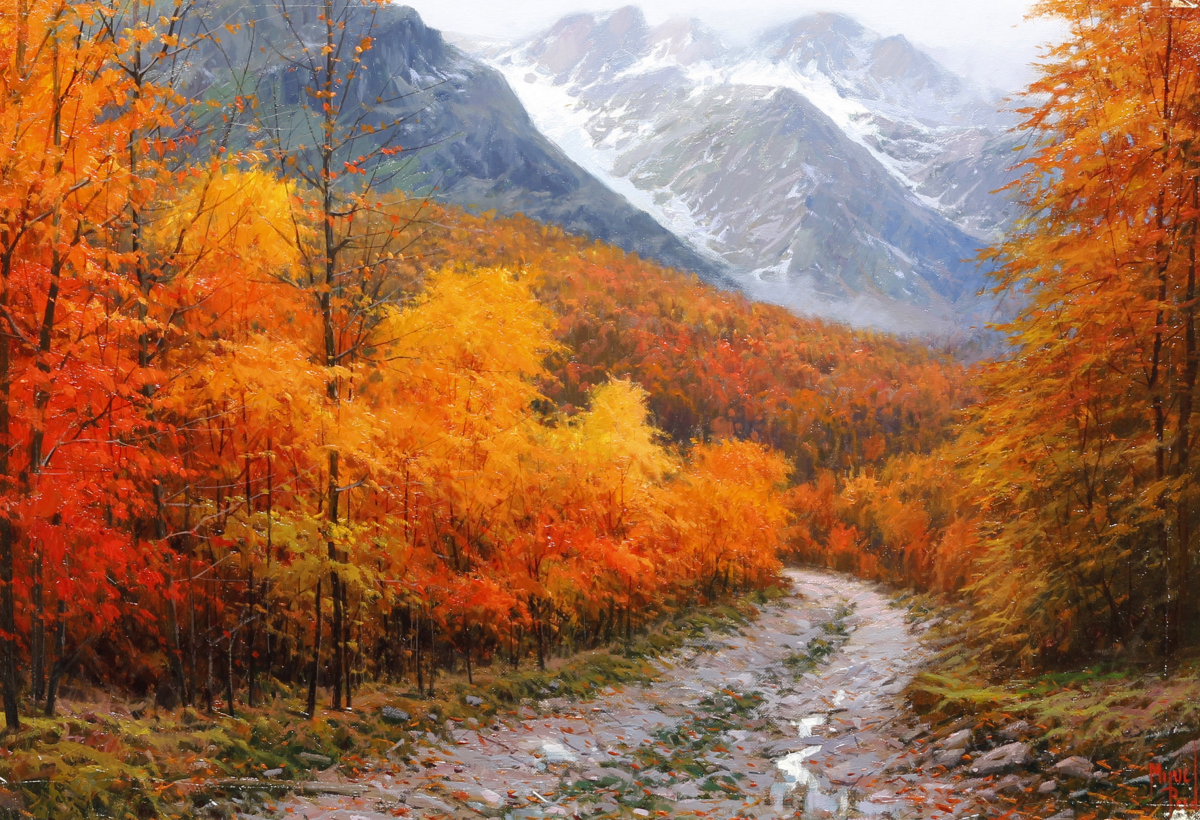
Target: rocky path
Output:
[(799, 714)]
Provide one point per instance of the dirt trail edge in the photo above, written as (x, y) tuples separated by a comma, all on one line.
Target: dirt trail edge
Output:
[(797, 715)]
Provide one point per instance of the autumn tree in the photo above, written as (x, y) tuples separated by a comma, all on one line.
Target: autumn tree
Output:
[(1081, 454)]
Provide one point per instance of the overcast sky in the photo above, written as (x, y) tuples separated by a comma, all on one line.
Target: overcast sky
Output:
[(989, 40)]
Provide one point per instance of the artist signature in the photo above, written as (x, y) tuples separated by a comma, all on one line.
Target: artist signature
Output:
[(1174, 783)]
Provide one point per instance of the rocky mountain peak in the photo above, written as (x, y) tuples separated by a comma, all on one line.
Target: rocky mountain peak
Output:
[(833, 42), (686, 41), (591, 45), (895, 60)]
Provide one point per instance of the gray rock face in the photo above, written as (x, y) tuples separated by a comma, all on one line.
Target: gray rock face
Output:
[(467, 139), (834, 171), (1001, 759)]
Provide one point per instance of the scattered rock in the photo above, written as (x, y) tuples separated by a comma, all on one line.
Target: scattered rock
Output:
[(1188, 749), (316, 760), (272, 773), (482, 801), (1010, 783), (391, 714), (1076, 767), (948, 758), (1048, 787), (959, 740), (1065, 814), (1015, 730), (472, 700), (428, 801), (1079, 795), (1001, 759)]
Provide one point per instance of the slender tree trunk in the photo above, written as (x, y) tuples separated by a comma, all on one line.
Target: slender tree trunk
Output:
[(432, 655), (229, 675), (1184, 500), (335, 586), (315, 669), (59, 667), (251, 639), (467, 642), (37, 640), (417, 656), (8, 625)]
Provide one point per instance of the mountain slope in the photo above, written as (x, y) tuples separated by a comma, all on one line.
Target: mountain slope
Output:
[(478, 146), (835, 171)]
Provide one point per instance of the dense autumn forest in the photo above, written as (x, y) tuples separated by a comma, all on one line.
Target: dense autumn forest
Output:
[(268, 422)]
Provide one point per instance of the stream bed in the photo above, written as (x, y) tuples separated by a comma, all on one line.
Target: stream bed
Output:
[(798, 714)]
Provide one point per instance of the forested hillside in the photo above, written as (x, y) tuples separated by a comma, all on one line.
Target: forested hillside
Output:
[(292, 427), (270, 424)]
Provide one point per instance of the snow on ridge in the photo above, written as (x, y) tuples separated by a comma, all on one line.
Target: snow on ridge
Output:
[(563, 119), (570, 133)]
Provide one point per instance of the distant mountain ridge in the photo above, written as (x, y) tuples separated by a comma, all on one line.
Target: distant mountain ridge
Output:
[(832, 170), (478, 147)]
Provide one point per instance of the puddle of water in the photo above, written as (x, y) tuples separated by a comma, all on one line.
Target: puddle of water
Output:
[(806, 725), (795, 773), (794, 770)]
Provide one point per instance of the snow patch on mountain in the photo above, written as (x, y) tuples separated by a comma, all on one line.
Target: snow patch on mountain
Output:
[(824, 165)]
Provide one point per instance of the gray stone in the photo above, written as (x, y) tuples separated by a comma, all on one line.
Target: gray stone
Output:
[(1009, 783), (315, 759), (948, 758), (1079, 768), (472, 700), (959, 740), (1065, 814), (1015, 730), (393, 715), (1048, 787), (1188, 749), (1001, 759), (428, 801)]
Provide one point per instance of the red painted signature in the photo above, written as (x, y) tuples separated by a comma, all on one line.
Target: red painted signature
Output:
[(1175, 782)]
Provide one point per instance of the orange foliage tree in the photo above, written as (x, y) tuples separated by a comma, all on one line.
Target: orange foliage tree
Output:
[(1080, 454)]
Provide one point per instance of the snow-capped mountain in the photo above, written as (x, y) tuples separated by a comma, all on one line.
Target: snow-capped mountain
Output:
[(476, 145), (833, 170)]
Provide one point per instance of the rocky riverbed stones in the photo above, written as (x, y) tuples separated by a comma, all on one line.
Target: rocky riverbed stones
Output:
[(729, 730), (1002, 759), (1078, 768)]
